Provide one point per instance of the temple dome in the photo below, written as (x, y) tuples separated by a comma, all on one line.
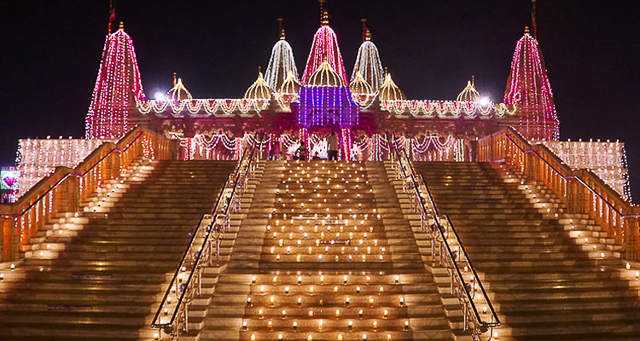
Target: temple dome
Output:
[(291, 85), (361, 91), (325, 76), (389, 91), (469, 94), (259, 89), (178, 92), (289, 92)]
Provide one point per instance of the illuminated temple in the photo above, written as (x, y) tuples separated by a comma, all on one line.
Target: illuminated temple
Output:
[(205, 219)]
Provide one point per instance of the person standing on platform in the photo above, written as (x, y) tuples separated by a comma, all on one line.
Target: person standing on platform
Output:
[(333, 146), (302, 152)]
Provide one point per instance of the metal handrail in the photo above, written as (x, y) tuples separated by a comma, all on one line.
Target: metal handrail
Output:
[(469, 290), (204, 253)]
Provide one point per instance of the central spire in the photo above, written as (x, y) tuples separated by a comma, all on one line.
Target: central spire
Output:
[(325, 45)]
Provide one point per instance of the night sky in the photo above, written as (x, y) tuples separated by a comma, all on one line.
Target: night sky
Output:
[(51, 52)]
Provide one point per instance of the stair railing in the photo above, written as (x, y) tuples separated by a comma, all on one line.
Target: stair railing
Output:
[(447, 248), (172, 316), (580, 190), (66, 189)]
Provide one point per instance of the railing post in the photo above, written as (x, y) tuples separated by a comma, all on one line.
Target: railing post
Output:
[(10, 238)]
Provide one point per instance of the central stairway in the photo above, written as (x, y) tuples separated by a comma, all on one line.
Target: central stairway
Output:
[(547, 286), (318, 259)]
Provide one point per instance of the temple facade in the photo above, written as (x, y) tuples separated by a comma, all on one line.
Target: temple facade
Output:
[(294, 108)]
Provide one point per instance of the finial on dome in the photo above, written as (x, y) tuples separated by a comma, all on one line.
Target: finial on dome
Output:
[(473, 81), (365, 31), (526, 30), (260, 71), (174, 79), (121, 27), (281, 27), (325, 18), (324, 15), (386, 70)]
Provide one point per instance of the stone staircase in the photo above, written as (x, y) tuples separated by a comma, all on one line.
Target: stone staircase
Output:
[(553, 276), (98, 274), (314, 261)]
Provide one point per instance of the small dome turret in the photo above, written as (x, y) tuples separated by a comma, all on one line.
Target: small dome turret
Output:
[(469, 94), (259, 89), (290, 86), (290, 89), (361, 91), (325, 76), (389, 91), (178, 92)]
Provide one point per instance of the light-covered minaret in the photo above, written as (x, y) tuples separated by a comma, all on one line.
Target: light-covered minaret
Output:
[(324, 47), (281, 63), (117, 88), (528, 87), (368, 62)]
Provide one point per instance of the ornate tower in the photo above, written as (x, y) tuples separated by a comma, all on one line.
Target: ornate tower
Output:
[(281, 63), (368, 62), (324, 47), (117, 88), (528, 87)]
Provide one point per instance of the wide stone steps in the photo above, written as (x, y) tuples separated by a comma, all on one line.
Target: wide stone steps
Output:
[(309, 271), (101, 277), (548, 282)]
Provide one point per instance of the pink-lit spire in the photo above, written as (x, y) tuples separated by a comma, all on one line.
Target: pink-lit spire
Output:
[(117, 88), (528, 87), (325, 45)]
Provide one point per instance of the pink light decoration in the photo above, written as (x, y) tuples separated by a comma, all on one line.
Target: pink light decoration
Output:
[(528, 87), (325, 45), (117, 88)]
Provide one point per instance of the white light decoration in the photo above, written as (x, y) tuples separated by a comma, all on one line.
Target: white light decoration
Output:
[(469, 94), (198, 107), (38, 158), (259, 90), (368, 64), (281, 64), (447, 109), (178, 92), (608, 160)]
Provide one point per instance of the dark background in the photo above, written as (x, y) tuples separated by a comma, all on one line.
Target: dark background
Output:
[(50, 53)]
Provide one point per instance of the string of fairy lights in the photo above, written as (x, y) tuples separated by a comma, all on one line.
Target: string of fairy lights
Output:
[(37, 158), (608, 160), (230, 106), (432, 109)]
